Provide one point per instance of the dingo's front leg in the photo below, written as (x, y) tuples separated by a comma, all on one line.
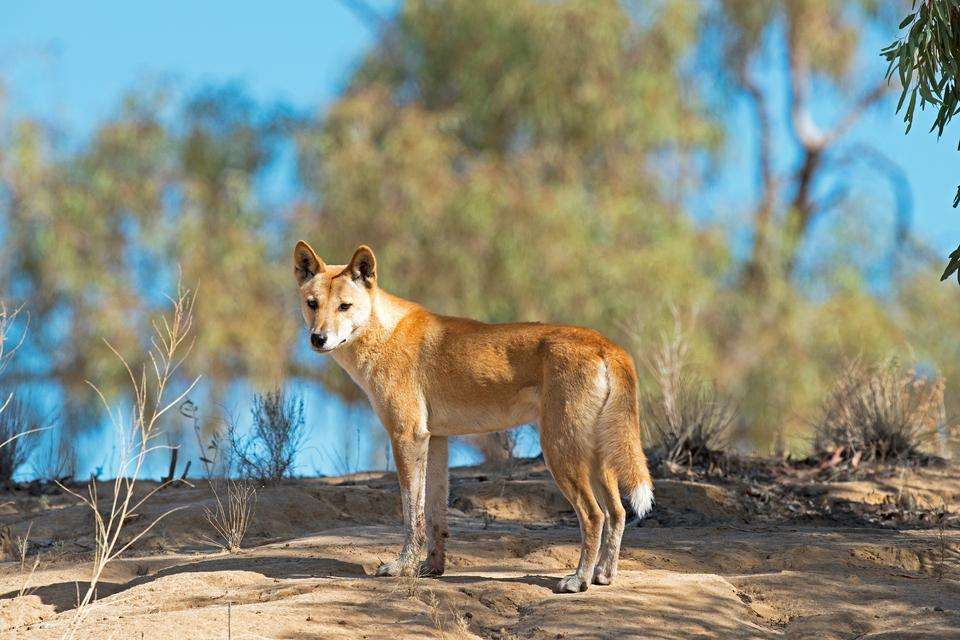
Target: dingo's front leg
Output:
[(410, 453), (438, 492)]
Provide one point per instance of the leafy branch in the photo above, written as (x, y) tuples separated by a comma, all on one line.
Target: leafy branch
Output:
[(927, 62)]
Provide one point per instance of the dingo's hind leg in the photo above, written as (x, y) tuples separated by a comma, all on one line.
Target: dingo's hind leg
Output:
[(574, 391), (609, 494), (572, 475)]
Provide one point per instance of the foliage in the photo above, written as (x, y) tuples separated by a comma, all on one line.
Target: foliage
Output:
[(269, 451), (926, 61), (508, 160), (880, 413), (93, 236)]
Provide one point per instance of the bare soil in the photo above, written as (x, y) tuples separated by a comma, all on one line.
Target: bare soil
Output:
[(784, 554)]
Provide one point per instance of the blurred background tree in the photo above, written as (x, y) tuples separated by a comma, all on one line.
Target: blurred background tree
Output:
[(508, 160), (96, 237)]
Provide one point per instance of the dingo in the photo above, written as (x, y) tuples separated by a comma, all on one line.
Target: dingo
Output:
[(429, 377)]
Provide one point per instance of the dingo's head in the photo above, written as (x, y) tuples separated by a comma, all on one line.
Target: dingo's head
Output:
[(336, 300)]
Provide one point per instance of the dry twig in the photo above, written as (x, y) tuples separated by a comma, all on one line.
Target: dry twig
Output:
[(171, 344)]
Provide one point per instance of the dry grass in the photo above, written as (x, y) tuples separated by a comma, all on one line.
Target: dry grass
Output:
[(13, 452), (136, 435), (20, 423), (233, 513), (8, 347), (448, 625), (496, 448), (690, 419), (57, 458), (882, 413)]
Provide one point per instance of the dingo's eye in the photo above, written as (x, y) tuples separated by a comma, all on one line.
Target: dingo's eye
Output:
[(312, 304), (344, 306)]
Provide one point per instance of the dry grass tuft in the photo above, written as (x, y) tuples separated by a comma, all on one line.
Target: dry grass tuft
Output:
[(882, 413), (136, 433), (20, 422), (690, 419), (8, 348), (233, 513), (57, 459)]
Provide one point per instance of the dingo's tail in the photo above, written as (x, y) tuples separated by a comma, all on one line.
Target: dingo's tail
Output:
[(620, 435), (641, 499)]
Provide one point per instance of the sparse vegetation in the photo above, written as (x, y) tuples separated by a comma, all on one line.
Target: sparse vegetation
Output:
[(56, 458), (7, 351), (497, 448), (269, 450), (235, 502), (879, 413), (136, 434), (690, 419), (20, 423)]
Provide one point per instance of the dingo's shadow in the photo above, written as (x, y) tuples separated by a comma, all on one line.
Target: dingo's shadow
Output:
[(546, 582)]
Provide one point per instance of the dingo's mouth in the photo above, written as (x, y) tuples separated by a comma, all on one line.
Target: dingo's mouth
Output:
[(329, 349)]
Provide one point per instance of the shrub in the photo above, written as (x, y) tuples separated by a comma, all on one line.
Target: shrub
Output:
[(276, 437), (19, 424), (56, 458), (689, 418), (881, 413), (691, 426)]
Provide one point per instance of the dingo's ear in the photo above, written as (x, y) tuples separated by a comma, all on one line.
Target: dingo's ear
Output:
[(363, 266), (306, 263)]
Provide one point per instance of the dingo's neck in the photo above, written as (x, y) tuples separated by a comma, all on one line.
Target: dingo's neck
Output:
[(360, 357)]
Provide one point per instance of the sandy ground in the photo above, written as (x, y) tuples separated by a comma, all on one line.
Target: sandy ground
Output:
[(703, 566)]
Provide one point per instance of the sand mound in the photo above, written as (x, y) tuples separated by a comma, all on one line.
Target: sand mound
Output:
[(702, 566)]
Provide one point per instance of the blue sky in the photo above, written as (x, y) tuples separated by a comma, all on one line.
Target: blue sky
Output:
[(72, 60), (69, 63)]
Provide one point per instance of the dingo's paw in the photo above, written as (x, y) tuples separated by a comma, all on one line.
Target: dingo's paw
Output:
[(396, 568), (427, 569), (603, 575), (572, 584)]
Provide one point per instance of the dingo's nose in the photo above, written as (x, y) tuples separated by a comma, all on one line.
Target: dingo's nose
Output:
[(317, 340)]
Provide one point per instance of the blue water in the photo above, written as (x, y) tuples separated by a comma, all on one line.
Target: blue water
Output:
[(339, 438)]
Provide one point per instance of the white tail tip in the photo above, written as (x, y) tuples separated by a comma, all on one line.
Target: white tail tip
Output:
[(641, 499)]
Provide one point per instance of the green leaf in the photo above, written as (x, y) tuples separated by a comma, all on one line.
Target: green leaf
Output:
[(952, 265), (906, 21)]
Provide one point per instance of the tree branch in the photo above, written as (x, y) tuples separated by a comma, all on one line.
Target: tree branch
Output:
[(866, 101), (798, 71), (765, 177)]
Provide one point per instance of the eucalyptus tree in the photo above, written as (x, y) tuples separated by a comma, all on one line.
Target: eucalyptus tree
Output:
[(96, 233), (926, 61)]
